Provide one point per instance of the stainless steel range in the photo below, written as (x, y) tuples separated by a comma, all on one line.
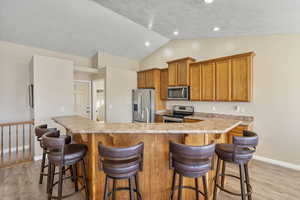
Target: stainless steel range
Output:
[(178, 114)]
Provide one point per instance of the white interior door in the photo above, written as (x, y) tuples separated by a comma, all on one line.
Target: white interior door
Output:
[(82, 99)]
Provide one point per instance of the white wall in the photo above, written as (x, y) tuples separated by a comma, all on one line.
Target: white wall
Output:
[(275, 106), (14, 78), (108, 60), (119, 84)]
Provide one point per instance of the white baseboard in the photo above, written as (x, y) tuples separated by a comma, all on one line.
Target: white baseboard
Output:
[(20, 148), (37, 158), (278, 163)]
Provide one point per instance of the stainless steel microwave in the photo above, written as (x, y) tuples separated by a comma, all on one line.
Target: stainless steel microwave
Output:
[(178, 93)]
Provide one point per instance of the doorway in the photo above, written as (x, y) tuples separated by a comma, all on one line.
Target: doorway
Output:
[(99, 100), (82, 91)]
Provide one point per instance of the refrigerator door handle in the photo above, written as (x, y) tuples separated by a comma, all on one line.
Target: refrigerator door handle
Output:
[(148, 116)]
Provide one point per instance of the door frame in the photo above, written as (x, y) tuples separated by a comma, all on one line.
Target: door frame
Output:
[(91, 95)]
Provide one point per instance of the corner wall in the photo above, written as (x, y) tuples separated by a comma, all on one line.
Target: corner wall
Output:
[(276, 96)]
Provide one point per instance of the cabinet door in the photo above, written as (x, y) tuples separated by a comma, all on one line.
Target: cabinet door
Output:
[(183, 73), (164, 84), (141, 76), (208, 81), (149, 79), (172, 71), (241, 72), (223, 80), (195, 82)]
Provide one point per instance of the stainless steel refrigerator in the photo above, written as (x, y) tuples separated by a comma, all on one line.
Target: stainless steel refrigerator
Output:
[(143, 101)]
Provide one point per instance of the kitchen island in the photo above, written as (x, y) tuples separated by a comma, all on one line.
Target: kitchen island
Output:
[(156, 177)]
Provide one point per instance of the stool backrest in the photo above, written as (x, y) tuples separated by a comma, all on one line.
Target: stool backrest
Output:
[(249, 139), (186, 152), (122, 154), (54, 143), (42, 129)]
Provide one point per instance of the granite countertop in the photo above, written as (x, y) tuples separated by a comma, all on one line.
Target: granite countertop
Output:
[(79, 125), (245, 120)]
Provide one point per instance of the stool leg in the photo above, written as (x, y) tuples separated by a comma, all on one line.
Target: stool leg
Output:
[(205, 187), (42, 167), (223, 173), (71, 173), (131, 188), (105, 196), (85, 180), (197, 188), (248, 181), (114, 189), (51, 180), (242, 180), (173, 185), (60, 182), (48, 177), (216, 179), (180, 187), (137, 185), (74, 176)]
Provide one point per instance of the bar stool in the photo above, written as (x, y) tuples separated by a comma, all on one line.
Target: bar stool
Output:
[(191, 162), (39, 132), (61, 155), (240, 152), (121, 163)]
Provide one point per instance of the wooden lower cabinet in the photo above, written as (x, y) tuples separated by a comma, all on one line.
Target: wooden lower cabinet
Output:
[(158, 118), (238, 131)]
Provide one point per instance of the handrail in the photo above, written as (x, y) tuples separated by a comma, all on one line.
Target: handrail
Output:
[(17, 123)]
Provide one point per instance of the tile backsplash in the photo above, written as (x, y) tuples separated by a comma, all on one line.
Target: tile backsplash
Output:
[(233, 108)]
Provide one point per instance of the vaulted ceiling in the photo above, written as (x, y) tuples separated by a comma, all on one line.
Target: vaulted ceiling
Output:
[(79, 27), (121, 27), (194, 18)]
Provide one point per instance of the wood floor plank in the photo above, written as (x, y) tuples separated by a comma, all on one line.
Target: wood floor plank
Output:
[(269, 182)]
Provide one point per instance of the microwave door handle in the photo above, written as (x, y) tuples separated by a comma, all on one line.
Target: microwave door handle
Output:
[(182, 92)]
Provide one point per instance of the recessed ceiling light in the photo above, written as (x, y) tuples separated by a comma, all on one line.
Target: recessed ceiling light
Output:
[(175, 32), (208, 1), (216, 29), (147, 44)]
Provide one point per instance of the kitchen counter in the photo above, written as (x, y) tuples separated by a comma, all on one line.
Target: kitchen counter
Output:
[(245, 120), (155, 179), (80, 125)]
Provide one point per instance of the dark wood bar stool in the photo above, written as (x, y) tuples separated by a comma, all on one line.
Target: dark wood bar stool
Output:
[(39, 132), (191, 162), (240, 152), (63, 155), (122, 163)]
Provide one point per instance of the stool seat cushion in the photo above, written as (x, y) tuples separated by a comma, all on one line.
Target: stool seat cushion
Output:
[(225, 152), (72, 154)]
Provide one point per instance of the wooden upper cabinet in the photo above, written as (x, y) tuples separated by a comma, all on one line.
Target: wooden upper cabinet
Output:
[(223, 80), (241, 76), (149, 79), (141, 79), (208, 81), (164, 84), (172, 74), (179, 71), (195, 82)]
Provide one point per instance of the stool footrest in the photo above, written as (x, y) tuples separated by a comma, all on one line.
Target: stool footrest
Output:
[(188, 187), (126, 188), (233, 193)]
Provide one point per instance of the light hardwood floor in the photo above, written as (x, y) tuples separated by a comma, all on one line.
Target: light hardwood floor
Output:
[(269, 183)]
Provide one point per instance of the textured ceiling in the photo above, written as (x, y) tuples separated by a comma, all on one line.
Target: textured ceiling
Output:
[(79, 27), (194, 18)]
